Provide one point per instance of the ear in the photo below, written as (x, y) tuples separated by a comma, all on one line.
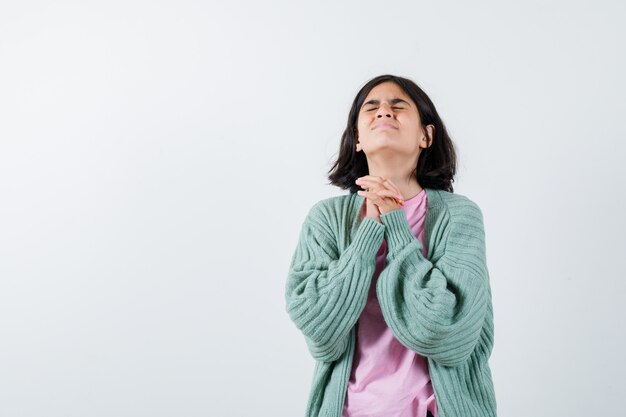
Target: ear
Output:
[(429, 135)]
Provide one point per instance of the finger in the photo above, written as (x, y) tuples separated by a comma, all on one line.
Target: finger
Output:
[(370, 186), (365, 184), (387, 193), (370, 195), (377, 196), (392, 195), (393, 186), (368, 183), (371, 179)]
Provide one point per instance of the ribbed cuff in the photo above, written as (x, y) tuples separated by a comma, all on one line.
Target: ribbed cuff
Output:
[(398, 233), (369, 237)]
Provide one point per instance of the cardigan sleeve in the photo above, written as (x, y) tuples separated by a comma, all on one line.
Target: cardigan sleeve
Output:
[(325, 291), (436, 309)]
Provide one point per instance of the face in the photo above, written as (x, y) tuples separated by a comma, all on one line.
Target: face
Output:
[(389, 121)]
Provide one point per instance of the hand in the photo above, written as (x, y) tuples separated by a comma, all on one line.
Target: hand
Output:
[(381, 192), (371, 210)]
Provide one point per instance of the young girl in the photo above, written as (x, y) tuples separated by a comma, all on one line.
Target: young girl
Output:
[(389, 284)]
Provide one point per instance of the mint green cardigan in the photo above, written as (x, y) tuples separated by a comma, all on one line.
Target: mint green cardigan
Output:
[(438, 306)]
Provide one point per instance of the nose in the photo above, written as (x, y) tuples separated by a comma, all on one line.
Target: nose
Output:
[(383, 111)]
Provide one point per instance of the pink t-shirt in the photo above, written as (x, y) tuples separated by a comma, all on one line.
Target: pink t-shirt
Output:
[(387, 379)]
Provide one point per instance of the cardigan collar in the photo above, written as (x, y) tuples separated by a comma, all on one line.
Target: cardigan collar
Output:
[(433, 197)]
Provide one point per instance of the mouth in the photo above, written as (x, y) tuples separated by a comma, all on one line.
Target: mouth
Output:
[(385, 126)]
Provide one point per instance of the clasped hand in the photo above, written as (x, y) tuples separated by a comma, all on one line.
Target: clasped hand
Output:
[(380, 193)]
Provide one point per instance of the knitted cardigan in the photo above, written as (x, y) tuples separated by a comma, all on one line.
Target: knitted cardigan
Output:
[(438, 306)]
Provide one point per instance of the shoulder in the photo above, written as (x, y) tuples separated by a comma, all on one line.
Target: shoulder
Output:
[(328, 214), (329, 208), (462, 212), (459, 207)]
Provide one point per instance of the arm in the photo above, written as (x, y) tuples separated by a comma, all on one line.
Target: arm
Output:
[(436, 309), (326, 291)]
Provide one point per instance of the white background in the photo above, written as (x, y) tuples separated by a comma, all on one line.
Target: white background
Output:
[(157, 160)]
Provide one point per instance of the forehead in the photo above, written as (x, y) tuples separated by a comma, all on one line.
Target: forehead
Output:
[(387, 90)]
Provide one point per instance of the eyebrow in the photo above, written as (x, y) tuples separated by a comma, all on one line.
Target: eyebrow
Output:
[(393, 101)]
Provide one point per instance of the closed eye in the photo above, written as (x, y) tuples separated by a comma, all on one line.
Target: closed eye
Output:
[(395, 107)]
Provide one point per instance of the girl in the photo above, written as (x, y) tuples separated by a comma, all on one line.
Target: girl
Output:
[(389, 284)]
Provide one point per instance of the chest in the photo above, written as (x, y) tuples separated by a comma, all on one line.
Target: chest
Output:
[(434, 230)]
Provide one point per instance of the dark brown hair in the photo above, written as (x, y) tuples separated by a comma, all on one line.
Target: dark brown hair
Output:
[(436, 165)]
